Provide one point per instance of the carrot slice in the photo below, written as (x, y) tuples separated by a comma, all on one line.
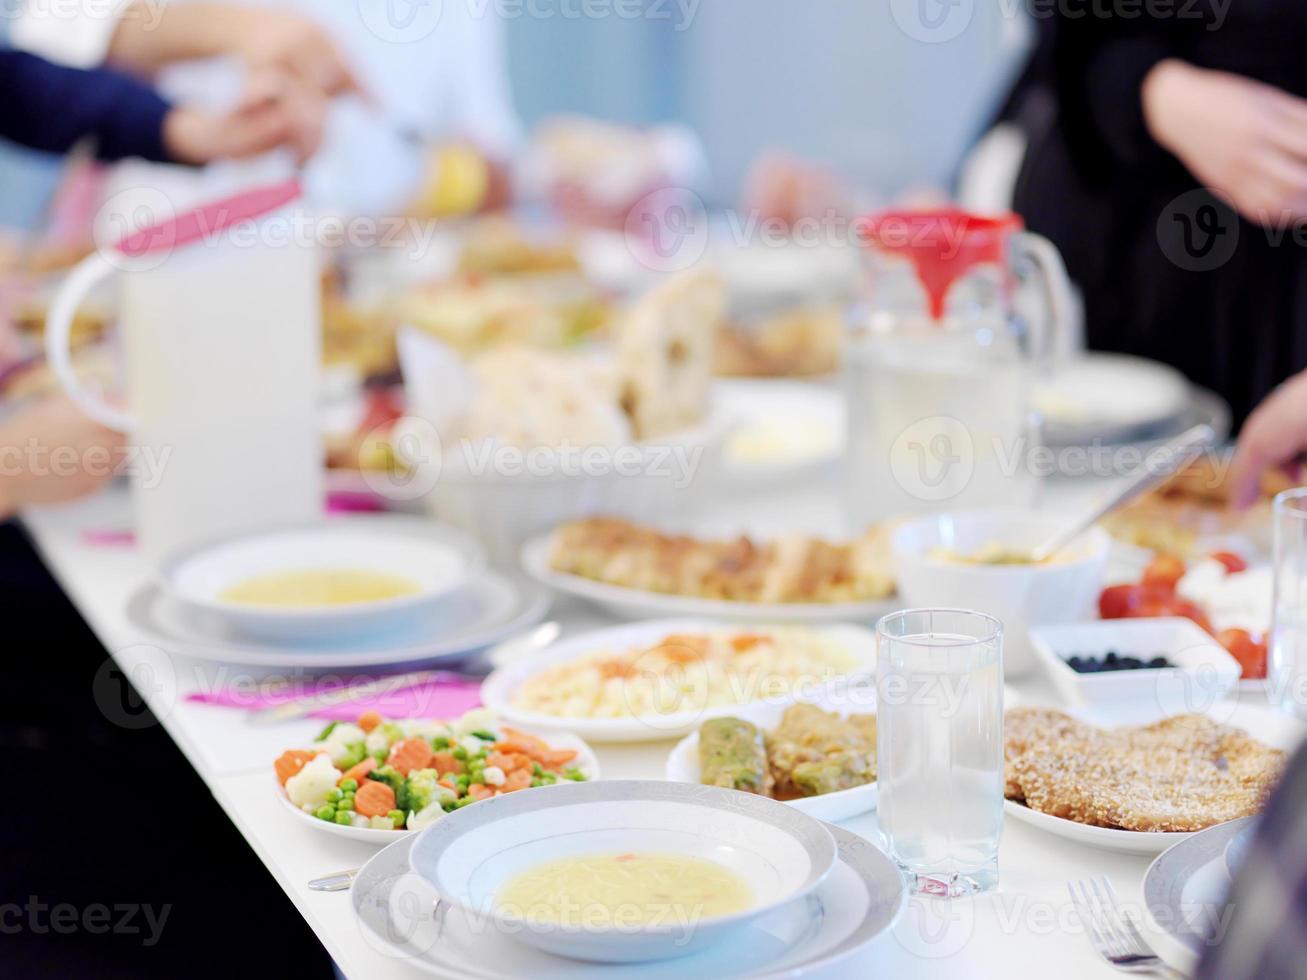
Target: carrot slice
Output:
[(480, 791), (374, 799), (369, 720), (359, 772), (410, 754), (444, 762), (557, 758), (292, 761), (520, 779)]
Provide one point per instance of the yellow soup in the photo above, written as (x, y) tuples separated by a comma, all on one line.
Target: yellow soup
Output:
[(599, 890), (319, 587)]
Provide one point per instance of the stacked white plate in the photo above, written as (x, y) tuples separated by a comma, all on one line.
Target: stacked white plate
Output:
[(458, 605)]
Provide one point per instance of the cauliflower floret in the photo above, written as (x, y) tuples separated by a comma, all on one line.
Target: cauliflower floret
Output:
[(421, 789), (345, 745), (471, 744), (360, 821), (381, 823), (475, 720), (425, 817), (377, 742), (494, 776), (310, 786)]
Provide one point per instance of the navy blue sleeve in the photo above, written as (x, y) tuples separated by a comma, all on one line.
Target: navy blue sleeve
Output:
[(50, 107)]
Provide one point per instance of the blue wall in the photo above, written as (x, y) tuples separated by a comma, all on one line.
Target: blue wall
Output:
[(839, 80)]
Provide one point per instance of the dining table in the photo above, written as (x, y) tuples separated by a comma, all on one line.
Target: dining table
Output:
[(1027, 926)]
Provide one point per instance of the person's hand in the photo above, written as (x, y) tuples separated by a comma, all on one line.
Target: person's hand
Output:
[(781, 188), (52, 453), (269, 117), (1274, 435), (1241, 139), (279, 42), (267, 41)]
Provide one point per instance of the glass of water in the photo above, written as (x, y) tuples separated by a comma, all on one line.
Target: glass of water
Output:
[(939, 702), (1288, 648)]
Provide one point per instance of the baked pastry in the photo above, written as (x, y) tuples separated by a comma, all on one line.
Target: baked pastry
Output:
[(794, 568)]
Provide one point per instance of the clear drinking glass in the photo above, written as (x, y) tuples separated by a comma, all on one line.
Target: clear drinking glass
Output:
[(939, 701), (1288, 649)]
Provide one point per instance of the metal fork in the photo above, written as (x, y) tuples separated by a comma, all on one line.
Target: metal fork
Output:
[(1112, 931)]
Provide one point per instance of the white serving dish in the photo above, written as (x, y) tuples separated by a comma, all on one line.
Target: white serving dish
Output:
[(469, 856), (844, 700), (646, 482), (1204, 673), (438, 559), (857, 902), (488, 610), (1020, 596), (499, 689), (785, 430), (1267, 725), (639, 604), (585, 761)]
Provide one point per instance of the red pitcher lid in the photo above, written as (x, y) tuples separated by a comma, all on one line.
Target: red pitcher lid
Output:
[(942, 244), (210, 219)]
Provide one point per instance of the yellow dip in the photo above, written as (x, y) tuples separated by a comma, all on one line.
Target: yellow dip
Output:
[(318, 587), (600, 890)]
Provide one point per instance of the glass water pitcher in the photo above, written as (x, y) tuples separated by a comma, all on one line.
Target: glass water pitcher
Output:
[(938, 362)]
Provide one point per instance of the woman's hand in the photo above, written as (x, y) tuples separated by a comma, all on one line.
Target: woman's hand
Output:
[(283, 43), (267, 41), (52, 453), (1274, 435), (271, 116), (1241, 139)]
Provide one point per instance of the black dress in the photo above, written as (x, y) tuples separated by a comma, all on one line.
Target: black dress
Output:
[(1168, 270)]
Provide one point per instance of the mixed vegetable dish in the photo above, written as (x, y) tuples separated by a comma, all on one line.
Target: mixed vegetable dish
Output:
[(405, 775)]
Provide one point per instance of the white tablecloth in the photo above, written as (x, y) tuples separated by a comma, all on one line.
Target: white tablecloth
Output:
[(1025, 928)]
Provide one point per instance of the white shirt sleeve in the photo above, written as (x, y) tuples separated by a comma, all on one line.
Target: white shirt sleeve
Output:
[(76, 34)]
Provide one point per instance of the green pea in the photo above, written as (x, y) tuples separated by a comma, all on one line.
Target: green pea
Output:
[(334, 794), (460, 753), (349, 785), (537, 769), (325, 813), (344, 818), (345, 806), (440, 743), (396, 817), (537, 781)]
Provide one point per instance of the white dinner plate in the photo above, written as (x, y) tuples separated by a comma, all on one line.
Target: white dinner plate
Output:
[(401, 918), (1186, 889), (500, 688), (783, 429), (438, 560), (1110, 398), (639, 604), (779, 854), (1264, 724), (585, 761), (489, 609), (683, 761)]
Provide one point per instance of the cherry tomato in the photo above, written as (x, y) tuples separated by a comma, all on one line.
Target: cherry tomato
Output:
[(1172, 605), (1232, 562), (1164, 571), (1246, 648), (382, 410), (1116, 600)]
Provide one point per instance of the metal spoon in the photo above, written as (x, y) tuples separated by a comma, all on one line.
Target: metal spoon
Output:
[(1180, 451)]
